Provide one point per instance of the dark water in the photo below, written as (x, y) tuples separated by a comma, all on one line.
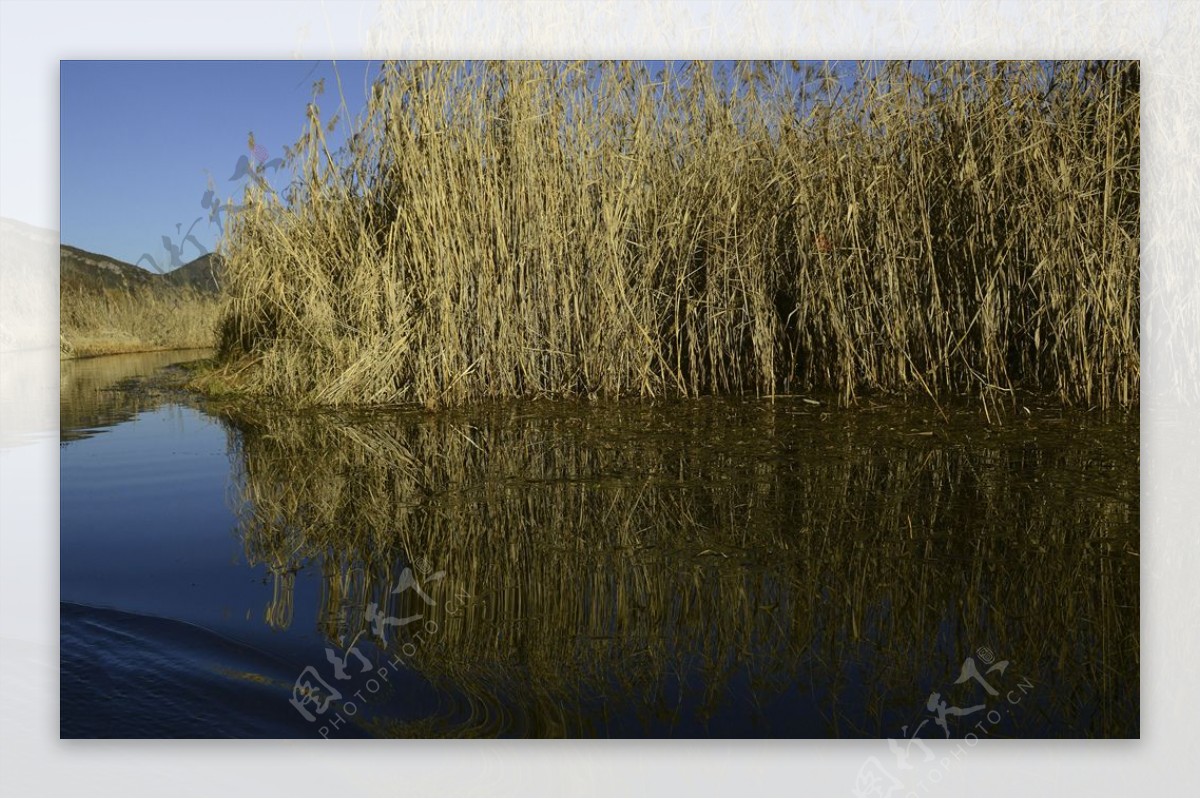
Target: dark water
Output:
[(718, 568)]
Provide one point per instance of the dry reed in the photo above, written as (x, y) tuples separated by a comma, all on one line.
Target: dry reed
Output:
[(107, 322), (547, 229)]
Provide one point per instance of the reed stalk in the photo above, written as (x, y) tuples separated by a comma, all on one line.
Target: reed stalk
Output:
[(549, 229)]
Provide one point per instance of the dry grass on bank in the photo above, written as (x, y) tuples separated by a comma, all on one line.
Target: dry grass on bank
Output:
[(107, 322), (528, 229)]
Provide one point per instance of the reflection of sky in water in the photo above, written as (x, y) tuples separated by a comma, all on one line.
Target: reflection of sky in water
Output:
[(145, 524)]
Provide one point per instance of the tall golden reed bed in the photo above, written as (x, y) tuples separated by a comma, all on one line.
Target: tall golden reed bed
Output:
[(550, 229)]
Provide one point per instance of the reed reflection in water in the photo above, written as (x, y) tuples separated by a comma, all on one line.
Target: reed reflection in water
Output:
[(713, 567), (101, 392)]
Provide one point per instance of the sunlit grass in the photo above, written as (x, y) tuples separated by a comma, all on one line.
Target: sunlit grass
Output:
[(105, 322), (527, 229)]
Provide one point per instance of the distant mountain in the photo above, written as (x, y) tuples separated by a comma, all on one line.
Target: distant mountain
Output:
[(82, 269), (202, 274), (87, 270)]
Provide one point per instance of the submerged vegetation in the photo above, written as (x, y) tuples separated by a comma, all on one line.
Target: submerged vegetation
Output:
[(530, 229)]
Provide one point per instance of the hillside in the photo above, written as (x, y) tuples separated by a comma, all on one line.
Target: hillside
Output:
[(82, 269), (202, 274), (91, 271)]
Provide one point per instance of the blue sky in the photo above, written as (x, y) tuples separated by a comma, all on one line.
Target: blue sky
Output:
[(140, 139)]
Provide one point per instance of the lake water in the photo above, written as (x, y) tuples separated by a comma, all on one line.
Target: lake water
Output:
[(716, 567)]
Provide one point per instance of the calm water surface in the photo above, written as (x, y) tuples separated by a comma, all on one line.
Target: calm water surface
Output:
[(720, 568)]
